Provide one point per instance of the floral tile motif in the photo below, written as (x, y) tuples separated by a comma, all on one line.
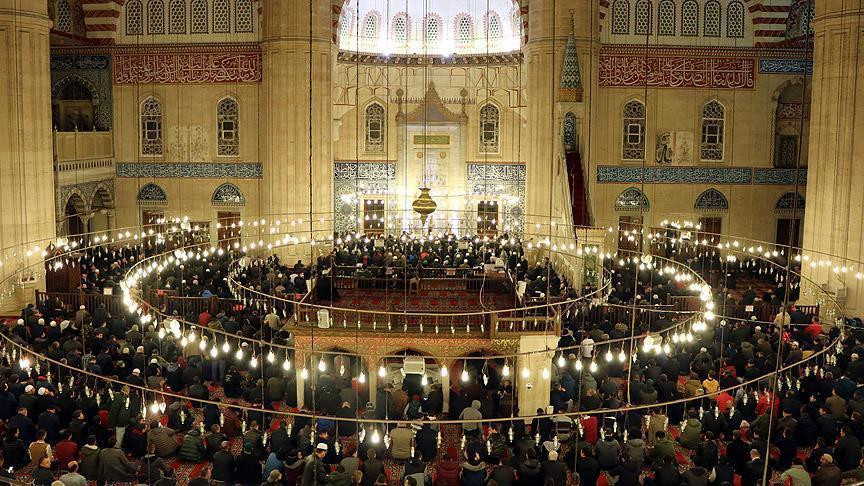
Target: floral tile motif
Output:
[(200, 170)]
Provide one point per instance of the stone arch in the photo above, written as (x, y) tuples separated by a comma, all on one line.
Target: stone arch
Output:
[(228, 194), (711, 200), (632, 199), (75, 211), (152, 194)]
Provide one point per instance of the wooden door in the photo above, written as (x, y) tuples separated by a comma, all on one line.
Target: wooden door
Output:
[(788, 232)]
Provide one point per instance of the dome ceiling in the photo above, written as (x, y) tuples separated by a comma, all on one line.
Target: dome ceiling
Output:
[(430, 27)]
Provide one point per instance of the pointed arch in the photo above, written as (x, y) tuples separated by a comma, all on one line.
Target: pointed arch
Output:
[(632, 199), (376, 127), (151, 126), (490, 122), (711, 200), (228, 194), (713, 130), (633, 142), (790, 201), (228, 129)]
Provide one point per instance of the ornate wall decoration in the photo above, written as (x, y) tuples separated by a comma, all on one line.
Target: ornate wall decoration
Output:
[(228, 194), (674, 148), (632, 199), (188, 143), (94, 72), (201, 170), (152, 194), (785, 66), (350, 179), (780, 176), (188, 67), (666, 71), (675, 175), (790, 201), (505, 181), (87, 191), (712, 200)]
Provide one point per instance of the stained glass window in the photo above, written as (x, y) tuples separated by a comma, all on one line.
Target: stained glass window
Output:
[(633, 147), (199, 16), (666, 17), (735, 19), (244, 16), (713, 127), (155, 17), (621, 17), (151, 127), (62, 16), (712, 199), (221, 16), (227, 113), (375, 128), (134, 25), (713, 20), (177, 17), (690, 18), (643, 17), (489, 120)]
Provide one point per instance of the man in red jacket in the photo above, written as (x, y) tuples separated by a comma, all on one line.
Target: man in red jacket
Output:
[(66, 450)]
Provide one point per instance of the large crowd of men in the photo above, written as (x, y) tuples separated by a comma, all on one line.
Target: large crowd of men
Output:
[(99, 410)]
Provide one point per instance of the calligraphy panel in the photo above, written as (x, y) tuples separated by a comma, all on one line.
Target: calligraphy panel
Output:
[(676, 72), (194, 67)]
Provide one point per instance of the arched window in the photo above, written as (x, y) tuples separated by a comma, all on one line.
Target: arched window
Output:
[(713, 128), (464, 29), (666, 18), (690, 18), (633, 144), (177, 17), (401, 29), (221, 16), (432, 28), (155, 17), (516, 22), (199, 16), (711, 200), (790, 201), (134, 14), (632, 199), (643, 17), (227, 114), (63, 16), (151, 127), (713, 20), (151, 193), (345, 23), (621, 17), (370, 26), (375, 128), (228, 195), (489, 120), (493, 26), (244, 16), (798, 21), (569, 132), (735, 19)]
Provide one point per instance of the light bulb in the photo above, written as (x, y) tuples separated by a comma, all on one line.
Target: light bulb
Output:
[(226, 347), (382, 371), (213, 352), (579, 365), (184, 341), (362, 377), (192, 336), (271, 357), (592, 367), (525, 372), (254, 362), (464, 376), (609, 356), (304, 374), (444, 370), (202, 345), (322, 366), (505, 372), (622, 356), (424, 381), (561, 361), (376, 437), (239, 354), (286, 365), (154, 408), (545, 373)]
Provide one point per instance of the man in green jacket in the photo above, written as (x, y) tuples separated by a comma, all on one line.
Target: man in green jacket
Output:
[(663, 447), (796, 474), (118, 414)]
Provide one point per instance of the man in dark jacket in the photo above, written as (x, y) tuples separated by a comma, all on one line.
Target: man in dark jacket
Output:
[(587, 467), (314, 472), (847, 451), (828, 474), (223, 464), (554, 470)]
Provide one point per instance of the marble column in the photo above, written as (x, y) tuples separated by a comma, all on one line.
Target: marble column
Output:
[(834, 216), (26, 159), (550, 22), (296, 110)]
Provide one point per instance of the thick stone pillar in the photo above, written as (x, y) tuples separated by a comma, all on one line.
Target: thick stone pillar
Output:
[(26, 160), (834, 217), (550, 22), (533, 391), (291, 102)]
